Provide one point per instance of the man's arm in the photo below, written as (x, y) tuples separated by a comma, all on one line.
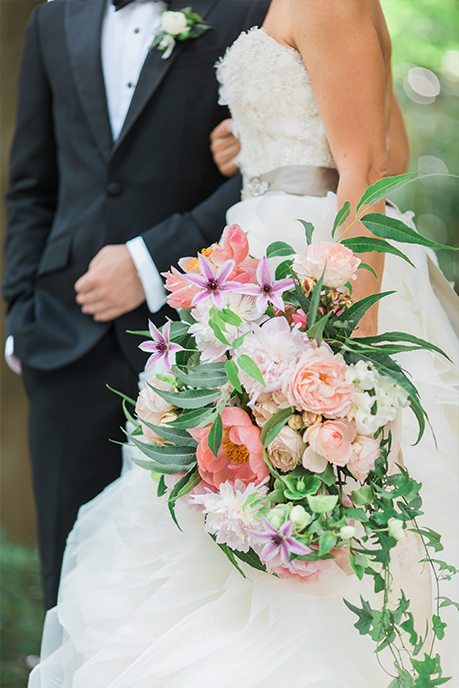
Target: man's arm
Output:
[(112, 285), (33, 174)]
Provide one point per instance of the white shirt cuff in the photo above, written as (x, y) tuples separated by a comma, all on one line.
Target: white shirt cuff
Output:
[(12, 361), (152, 283)]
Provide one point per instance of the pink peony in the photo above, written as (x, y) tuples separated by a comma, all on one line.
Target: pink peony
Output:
[(304, 570), (330, 441), (153, 408), (339, 262), (318, 384), (182, 291), (240, 455), (365, 451)]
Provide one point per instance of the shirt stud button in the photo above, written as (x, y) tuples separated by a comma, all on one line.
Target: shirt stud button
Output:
[(137, 30), (129, 84)]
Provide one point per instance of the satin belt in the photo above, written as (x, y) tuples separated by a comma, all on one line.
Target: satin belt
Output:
[(298, 180)]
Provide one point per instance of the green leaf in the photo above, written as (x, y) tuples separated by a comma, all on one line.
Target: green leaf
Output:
[(249, 367), (341, 216), (356, 514), (433, 538), (365, 266), (315, 299), (174, 435), (238, 341), (275, 424), (162, 487), (218, 332), (356, 312), (365, 615), (141, 333), (129, 416), (438, 626), (186, 316), (197, 30), (377, 191), (250, 558), (370, 245), (190, 398), (279, 248), (123, 396), (232, 373), (205, 375), (178, 330), (308, 230), (230, 318), (390, 228), (215, 436), (165, 459), (317, 330), (328, 476), (229, 553), (180, 489), (446, 602), (359, 564), (283, 270), (401, 337), (326, 542), (197, 418)]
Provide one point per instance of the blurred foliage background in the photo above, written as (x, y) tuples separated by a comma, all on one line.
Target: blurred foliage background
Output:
[(425, 42), (425, 36)]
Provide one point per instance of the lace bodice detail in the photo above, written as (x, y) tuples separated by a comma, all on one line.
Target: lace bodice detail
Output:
[(273, 105)]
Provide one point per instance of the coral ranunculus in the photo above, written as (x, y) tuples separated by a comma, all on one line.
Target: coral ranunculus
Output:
[(318, 384), (240, 456)]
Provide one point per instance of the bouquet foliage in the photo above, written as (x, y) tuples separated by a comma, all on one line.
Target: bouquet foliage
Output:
[(275, 419)]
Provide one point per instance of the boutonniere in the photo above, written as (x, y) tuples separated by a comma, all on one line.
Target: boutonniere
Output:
[(179, 26)]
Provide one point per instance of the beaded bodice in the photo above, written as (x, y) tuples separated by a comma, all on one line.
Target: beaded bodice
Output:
[(273, 105)]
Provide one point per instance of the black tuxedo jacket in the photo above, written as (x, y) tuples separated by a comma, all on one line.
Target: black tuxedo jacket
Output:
[(72, 190)]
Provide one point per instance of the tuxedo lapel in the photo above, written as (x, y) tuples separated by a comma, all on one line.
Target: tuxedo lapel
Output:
[(83, 27), (155, 69)]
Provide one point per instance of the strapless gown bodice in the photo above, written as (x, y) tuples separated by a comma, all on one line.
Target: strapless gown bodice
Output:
[(273, 105)]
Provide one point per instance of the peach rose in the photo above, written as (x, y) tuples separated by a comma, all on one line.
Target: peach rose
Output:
[(152, 408), (339, 262), (365, 451), (318, 384), (240, 455), (233, 246), (305, 570), (331, 441), (182, 290), (286, 450)]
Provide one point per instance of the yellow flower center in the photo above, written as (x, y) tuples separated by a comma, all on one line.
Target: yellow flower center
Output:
[(194, 265), (234, 452)]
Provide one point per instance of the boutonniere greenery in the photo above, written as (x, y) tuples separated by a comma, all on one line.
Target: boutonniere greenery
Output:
[(178, 26)]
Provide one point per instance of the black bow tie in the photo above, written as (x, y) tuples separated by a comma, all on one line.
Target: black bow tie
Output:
[(119, 4)]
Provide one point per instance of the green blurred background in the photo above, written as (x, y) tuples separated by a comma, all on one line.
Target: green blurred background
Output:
[(425, 35)]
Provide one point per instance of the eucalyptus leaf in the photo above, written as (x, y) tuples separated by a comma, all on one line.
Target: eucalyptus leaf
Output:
[(370, 245), (249, 367), (315, 299), (120, 394), (279, 248), (174, 435), (232, 373), (275, 424)]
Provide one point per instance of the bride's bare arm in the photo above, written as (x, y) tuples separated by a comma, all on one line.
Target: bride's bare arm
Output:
[(346, 50), (398, 149)]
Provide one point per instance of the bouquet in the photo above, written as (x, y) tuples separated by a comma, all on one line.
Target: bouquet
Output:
[(273, 417)]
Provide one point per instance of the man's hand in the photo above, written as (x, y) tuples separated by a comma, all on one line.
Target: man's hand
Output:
[(225, 148), (111, 286)]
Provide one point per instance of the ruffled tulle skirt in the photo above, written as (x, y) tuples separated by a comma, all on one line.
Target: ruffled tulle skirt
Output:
[(145, 605)]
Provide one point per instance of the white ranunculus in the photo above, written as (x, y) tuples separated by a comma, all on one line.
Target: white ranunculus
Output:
[(173, 22)]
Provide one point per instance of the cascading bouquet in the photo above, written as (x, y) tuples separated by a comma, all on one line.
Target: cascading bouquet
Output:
[(275, 421)]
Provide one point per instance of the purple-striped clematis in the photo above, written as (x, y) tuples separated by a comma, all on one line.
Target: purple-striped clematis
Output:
[(212, 282), (279, 542), (267, 288), (161, 346)]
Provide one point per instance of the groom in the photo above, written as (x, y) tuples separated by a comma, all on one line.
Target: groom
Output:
[(112, 181)]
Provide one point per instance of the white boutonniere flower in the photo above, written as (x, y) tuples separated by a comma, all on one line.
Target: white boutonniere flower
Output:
[(180, 26)]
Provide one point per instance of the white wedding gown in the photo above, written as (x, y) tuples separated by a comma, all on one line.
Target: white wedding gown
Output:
[(144, 605)]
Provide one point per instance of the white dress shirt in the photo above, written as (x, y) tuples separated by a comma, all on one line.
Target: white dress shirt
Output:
[(126, 37)]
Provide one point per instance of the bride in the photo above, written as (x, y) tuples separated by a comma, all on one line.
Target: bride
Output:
[(143, 604)]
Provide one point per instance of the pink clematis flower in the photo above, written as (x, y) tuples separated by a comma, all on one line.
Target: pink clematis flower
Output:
[(267, 288), (279, 542), (212, 283), (161, 346)]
